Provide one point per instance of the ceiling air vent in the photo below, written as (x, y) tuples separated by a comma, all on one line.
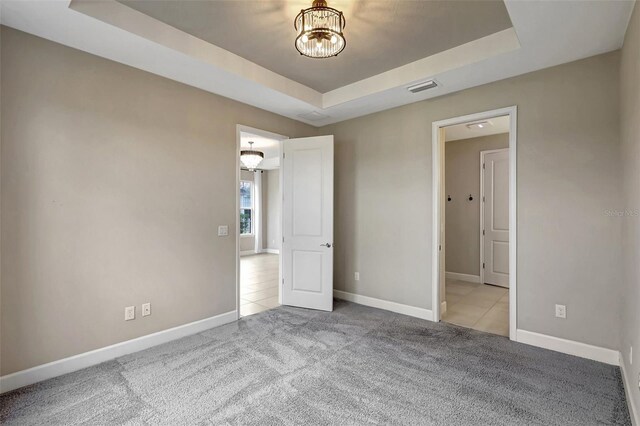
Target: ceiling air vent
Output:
[(425, 85)]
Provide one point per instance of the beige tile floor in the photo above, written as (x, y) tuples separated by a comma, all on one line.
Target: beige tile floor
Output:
[(258, 283), (479, 306)]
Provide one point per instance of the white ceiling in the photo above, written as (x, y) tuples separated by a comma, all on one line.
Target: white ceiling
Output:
[(269, 147), (493, 126), (544, 34), (381, 35)]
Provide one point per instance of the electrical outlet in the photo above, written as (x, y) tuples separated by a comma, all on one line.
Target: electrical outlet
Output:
[(561, 311), (129, 313), (357, 276), (146, 309), (223, 231)]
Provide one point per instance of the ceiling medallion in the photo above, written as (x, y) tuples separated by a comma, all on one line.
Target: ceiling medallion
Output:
[(251, 158), (319, 31)]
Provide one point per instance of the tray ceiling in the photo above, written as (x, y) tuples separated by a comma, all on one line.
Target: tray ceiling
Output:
[(381, 35)]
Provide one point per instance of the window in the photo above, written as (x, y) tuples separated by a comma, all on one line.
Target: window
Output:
[(246, 207)]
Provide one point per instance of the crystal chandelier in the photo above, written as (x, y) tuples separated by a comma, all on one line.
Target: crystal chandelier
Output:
[(319, 31), (250, 158)]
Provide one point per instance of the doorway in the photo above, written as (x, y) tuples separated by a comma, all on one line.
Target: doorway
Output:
[(474, 260), (284, 217), (259, 223)]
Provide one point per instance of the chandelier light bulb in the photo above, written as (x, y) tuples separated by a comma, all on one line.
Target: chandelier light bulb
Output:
[(334, 39), (305, 38)]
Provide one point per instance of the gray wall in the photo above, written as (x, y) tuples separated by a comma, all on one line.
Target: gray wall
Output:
[(272, 238), (462, 220), (568, 175), (630, 135), (114, 181)]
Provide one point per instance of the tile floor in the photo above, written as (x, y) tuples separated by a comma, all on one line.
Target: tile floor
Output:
[(258, 283), (479, 306)]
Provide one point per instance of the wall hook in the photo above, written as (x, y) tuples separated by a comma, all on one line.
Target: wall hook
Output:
[(448, 197), (470, 197)]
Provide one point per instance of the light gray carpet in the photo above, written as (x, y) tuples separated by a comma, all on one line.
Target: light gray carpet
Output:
[(352, 366)]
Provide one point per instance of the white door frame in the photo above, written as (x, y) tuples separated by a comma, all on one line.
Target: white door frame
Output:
[(437, 147), (482, 154), (239, 129)]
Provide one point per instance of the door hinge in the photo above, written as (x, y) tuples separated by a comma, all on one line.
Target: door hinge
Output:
[(283, 281), (482, 166), (439, 247), (483, 232), (482, 265), (283, 155), (483, 198)]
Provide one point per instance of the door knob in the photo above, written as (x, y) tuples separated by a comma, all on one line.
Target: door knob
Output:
[(327, 245)]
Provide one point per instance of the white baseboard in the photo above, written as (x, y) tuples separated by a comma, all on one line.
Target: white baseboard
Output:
[(462, 277), (412, 311), (570, 347), (443, 308), (77, 362), (628, 382), (272, 251), (247, 252)]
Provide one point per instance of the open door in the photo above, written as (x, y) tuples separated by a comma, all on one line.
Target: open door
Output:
[(307, 222)]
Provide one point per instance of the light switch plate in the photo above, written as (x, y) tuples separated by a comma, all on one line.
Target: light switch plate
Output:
[(561, 311), (357, 276), (223, 231)]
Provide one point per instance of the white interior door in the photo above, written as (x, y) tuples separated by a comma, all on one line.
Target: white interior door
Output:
[(495, 180), (307, 222)]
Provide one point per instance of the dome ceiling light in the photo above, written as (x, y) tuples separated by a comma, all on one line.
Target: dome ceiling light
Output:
[(319, 31)]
